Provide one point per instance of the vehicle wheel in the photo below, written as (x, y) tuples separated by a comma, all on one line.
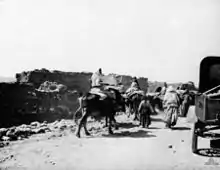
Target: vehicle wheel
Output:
[(194, 139)]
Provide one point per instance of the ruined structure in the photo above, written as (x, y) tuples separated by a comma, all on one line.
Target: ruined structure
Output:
[(28, 99), (79, 81), (73, 80)]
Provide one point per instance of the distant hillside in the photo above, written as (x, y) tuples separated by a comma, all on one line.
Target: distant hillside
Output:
[(7, 79)]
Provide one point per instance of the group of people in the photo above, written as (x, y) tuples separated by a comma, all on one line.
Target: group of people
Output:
[(171, 104), (171, 101)]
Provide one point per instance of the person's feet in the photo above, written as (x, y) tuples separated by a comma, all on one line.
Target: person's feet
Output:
[(87, 133), (167, 126)]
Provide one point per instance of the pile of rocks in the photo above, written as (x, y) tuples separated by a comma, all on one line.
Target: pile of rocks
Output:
[(23, 131)]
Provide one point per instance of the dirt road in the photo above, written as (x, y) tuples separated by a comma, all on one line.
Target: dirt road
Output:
[(130, 148)]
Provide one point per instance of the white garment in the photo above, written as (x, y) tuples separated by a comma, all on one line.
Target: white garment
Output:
[(163, 90), (171, 99), (96, 79)]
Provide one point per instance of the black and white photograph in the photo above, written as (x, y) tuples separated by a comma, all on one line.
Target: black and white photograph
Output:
[(110, 85)]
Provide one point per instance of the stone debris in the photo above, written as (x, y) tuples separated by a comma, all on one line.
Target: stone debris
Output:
[(3, 132), (24, 131), (57, 128)]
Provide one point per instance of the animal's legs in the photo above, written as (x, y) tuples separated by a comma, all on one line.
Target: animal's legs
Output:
[(148, 120), (81, 123), (129, 110), (135, 115), (110, 125), (106, 121), (115, 123), (85, 128), (144, 120)]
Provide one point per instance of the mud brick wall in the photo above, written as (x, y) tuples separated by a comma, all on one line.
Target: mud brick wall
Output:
[(79, 81), (16, 99), (73, 80)]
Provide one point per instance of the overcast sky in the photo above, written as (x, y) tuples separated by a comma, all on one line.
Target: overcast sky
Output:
[(163, 40)]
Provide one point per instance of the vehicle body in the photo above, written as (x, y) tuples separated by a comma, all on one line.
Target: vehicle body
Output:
[(207, 105)]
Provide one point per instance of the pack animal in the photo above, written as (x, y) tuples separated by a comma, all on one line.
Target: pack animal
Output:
[(93, 106)]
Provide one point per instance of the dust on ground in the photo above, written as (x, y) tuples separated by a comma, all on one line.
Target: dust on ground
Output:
[(130, 148)]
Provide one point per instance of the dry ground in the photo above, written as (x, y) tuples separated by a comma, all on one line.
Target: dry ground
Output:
[(130, 148)]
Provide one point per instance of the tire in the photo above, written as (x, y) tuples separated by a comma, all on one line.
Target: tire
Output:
[(194, 139)]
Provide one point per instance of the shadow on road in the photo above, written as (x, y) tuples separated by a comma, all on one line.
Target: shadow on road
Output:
[(127, 125), (153, 128), (154, 119), (136, 134), (181, 128)]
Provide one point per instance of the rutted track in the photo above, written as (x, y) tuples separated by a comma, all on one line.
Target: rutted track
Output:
[(131, 147)]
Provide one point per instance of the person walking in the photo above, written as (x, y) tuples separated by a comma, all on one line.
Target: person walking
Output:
[(145, 109), (171, 103)]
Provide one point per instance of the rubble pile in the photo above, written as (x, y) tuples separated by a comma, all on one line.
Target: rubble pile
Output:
[(58, 127), (24, 131)]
